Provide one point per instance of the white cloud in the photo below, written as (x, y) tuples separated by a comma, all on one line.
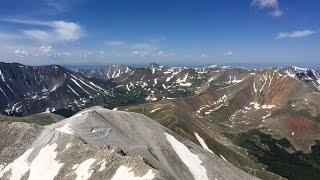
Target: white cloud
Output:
[(265, 3), (58, 5), (140, 53), (268, 4), (67, 54), (295, 34), (150, 52), (91, 54), (50, 31), (142, 49), (62, 5), (37, 34), (144, 46), (44, 49), (21, 53), (276, 13), (158, 39), (115, 43), (229, 53), (68, 31), (164, 54), (203, 55), (161, 53), (135, 52), (48, 50)]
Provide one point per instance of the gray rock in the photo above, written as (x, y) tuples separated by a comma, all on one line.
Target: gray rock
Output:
[(102, 144)]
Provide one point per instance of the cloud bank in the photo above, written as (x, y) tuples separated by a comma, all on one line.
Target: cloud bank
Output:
[(268, 4), (50, 31), (295, 34)]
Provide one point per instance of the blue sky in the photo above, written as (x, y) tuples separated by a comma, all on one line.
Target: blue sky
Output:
[(162, 31)]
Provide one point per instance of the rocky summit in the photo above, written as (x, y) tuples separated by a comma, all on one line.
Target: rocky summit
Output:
[(98, 143)]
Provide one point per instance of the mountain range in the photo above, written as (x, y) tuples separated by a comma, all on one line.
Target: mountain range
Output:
[(265, 122)]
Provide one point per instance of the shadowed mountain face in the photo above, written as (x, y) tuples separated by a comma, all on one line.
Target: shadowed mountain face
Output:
[(26, 90), (102, 144)]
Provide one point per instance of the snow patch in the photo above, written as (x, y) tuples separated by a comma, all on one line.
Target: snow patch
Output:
[(266, 116), (18, 167), (68, 145), (44, 166), (47, 110), (221, 99), (73, 91), (299, 68), (103, 165), (3, 92), (75, 166), (254, 87), (124, 172), (223, 158), (155, 80), (192, 161), (290, 74), (154, 110), (66, 129), (83, 171), (98, 87), (183, 82), (151, 97), (55, 87), (87, 85), (233, 80), (201, 108), (2, 76), (268, 106), (201, 141), (164, 86), (292, 133), (265, 106), (79, 86)]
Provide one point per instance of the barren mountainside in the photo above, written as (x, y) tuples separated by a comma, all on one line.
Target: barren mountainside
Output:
[(265, 122), (101, 144), (267, 114)]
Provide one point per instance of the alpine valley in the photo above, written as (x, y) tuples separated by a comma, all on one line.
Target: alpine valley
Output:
[(159, 122)]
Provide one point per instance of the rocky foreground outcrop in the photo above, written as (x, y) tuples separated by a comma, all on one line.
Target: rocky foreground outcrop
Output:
[(101, 144)]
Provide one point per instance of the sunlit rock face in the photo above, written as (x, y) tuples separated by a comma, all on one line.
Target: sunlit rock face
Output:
[(97, 143)]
